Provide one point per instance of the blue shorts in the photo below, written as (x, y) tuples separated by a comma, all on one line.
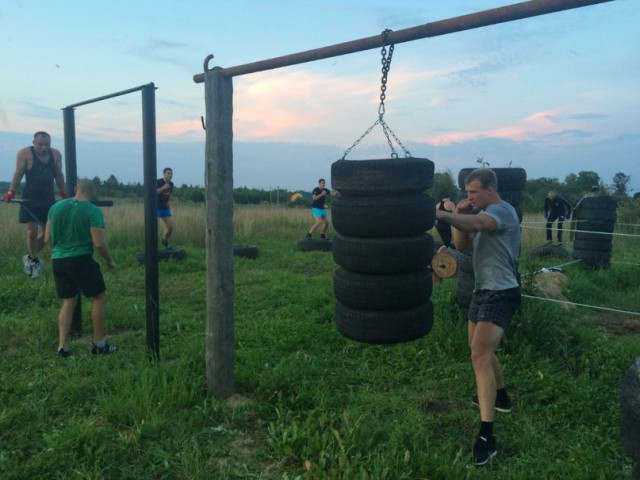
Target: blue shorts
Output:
[(494, 306), (319, 212), (164, 212)]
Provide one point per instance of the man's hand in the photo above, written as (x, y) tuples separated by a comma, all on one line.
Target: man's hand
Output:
[(111, 265), (8, 196)]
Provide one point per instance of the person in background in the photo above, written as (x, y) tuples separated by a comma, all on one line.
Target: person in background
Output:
[(40, 165), (443, 228), (556, 207), (494, 233), (164, 188), (75, 228), (318, 210)]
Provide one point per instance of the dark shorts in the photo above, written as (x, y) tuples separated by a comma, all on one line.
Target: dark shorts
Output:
[(494, 306), (77, 274), (38, 211), (164, 212)]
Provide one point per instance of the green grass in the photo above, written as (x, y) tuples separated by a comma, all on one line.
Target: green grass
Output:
[(308, 403)]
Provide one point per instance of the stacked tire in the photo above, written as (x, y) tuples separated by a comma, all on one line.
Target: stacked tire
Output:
[(382, 284), (595, 221), (511, 183)]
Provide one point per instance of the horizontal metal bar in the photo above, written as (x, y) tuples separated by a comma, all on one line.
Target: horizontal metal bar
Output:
[(111, 95), (484, 18)]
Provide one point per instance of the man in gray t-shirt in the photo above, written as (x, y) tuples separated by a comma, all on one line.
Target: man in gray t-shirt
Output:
[(494, 233)]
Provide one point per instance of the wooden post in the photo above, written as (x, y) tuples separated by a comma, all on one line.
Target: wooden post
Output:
[(220, 340)]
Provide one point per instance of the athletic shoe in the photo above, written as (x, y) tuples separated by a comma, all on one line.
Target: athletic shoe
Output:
[(64, 353), (559, 244), (323, 237), (484, 449), (309, 236), (503, 405), (105, 350), (164, 242), (26, 261), (36, 268)]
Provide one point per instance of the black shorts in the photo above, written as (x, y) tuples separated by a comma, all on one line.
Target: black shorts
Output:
[(77, 274), (38, 211), (494, 306)]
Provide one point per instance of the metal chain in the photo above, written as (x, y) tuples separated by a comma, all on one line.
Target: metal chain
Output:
[(386, 65)]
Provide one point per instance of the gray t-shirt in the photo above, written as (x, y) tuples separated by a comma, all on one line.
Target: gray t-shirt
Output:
[(495, 254)]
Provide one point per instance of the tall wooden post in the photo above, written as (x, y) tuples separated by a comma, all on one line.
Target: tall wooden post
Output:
[(220, 339)]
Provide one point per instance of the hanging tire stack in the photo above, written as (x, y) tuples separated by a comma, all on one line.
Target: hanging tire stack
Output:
[(596, 219), (511, 182), (382, 285)]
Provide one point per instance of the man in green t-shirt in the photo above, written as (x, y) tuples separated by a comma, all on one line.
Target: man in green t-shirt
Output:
[(75, 227)]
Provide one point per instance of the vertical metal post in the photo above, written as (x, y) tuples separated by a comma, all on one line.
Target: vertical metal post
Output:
[(219, 337), (150, 219), (71, 177)]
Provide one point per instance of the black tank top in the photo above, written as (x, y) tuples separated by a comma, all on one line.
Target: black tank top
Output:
[(39, 180), (441, 207)]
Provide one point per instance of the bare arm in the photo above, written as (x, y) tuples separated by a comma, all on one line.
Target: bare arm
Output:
[(100, 244), (465, 225), (47, 233), (57, 157), (21, 168)]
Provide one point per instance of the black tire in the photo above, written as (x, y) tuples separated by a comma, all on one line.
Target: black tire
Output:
[(383, 255), (550, 250), (508, 178), (594, 246), (608, 216), (363, 291), (382, 177), (245, 251), (514, 197), (602, 204), (594, 237), (177, 254), (312, 244), (464, 288), (596, 226), (592, 259), (384, 216), (384, 328)]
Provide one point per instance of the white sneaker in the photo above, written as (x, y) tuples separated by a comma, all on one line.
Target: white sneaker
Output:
[(27, 264), (36, 269)]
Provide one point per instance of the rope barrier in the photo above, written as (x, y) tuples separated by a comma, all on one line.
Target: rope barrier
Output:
[(566, 302), (590, 231)]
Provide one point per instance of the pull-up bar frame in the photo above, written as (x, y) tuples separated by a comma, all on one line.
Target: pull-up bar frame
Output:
[(219, 336)]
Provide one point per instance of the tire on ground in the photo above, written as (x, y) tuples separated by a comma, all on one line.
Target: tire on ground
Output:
[(383, 216), (177, 254), (382, 292), (383, 255), (382, 177), (384, 327), (245, 251), (312, 244)]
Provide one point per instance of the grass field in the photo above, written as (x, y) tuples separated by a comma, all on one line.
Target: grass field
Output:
[(308, 403)]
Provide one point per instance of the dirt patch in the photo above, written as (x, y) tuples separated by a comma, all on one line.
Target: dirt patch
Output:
[(550, 285)]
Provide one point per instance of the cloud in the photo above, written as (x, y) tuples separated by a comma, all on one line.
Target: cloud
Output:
[(161, 50)]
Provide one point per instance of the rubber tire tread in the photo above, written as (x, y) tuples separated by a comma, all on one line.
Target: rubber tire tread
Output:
[(245, 251), (591, 258), (382, 177), (313, 245), (508, 178), (383, 216), (382, 292), (384, 328), (587, 245), (383, 255)]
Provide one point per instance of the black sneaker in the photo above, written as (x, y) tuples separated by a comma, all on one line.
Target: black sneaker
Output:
[(64, 353), (107, 349), (484, 449), (309, 236), (503, 406), (323, 237)]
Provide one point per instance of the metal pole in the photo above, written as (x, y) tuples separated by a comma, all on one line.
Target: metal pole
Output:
[(71, 176), (493, 16), (150, 219)]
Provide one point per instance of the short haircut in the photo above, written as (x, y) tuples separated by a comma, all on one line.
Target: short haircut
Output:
[(86, 186), (595, 188), (167, 169), (322, 180), (41, 134), (485, 176)]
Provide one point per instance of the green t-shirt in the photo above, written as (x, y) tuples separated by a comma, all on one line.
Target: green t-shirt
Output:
[(70, 230)]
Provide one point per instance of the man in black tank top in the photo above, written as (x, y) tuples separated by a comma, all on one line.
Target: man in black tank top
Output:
[(40, 165)]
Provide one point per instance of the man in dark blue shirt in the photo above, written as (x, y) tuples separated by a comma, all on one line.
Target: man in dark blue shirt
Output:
[(556, 207)]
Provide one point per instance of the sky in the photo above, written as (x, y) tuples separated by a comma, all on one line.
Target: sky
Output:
[(555, 94)]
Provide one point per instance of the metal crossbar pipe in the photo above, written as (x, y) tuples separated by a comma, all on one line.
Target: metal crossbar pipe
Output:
[(484, 18)]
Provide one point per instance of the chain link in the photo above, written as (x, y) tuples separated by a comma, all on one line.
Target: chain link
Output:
[(386, 66)]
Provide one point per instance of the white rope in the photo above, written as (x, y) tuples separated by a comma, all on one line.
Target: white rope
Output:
[(558, 266), (627, 263), (566, 302), (590, 231)]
